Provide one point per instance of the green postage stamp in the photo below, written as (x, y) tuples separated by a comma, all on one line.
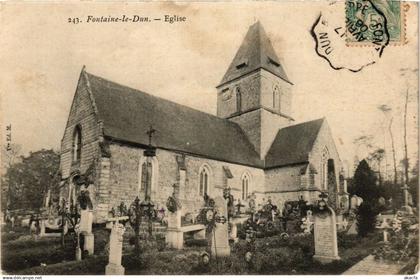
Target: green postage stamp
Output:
[(375, 21)]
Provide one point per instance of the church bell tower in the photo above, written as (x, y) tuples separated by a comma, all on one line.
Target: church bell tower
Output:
[(255, 92)]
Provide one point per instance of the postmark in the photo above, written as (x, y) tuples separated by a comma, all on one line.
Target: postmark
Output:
[(332, 29), (365, 20)]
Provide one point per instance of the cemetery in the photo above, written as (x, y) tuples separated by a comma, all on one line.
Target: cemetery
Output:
[(222, 238)]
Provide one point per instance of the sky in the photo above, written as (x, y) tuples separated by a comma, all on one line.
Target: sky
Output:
[(42, 55)]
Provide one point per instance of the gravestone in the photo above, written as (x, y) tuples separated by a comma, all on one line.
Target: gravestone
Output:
[(86, 219), (220, 235), (174, 235), (114, 266), (325, 234), (234, 232)]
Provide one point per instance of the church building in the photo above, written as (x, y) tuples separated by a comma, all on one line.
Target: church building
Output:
[(252, 145)]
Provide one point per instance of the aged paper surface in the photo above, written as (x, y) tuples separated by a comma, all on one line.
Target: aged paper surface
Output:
[(295, 93)]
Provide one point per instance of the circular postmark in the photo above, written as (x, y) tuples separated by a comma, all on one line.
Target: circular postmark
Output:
[(335, 30)]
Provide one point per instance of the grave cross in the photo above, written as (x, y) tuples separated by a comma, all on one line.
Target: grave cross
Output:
[(150, 134), (239, 206)]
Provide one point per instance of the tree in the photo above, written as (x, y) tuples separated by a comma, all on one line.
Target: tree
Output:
[(413, 184), (387, 111), (9, 156), (377, 156), (30, 179), (407, 99), (364, 182), (366, 218)]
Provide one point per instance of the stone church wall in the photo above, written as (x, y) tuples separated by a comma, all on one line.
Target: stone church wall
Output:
[(268, 83), (124, 178), (283, 179), (251, 125), (323, 140), (81, 113), (249, 86)]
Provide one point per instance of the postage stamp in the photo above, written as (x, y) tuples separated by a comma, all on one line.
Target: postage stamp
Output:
[(372, 21)]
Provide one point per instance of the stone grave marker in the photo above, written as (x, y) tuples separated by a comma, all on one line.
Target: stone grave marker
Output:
[(220, 235), (174, 235), (114, 266), (325, 234), (86, 219)]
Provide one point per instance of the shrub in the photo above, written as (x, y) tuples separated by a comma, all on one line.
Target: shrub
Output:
[(366, 218), (345, 240)]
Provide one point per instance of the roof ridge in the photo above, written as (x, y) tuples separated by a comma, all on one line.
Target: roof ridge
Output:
[(303, 123), (160, 98)]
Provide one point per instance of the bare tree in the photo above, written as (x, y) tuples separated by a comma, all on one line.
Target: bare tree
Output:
[(387, 111), (407, 99)]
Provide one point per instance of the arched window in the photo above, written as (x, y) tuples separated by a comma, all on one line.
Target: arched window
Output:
[(204, 182), (276, 98), (238, 99), (245, 186), (205, 179), (77, 143), (324, 168), (148, 177)]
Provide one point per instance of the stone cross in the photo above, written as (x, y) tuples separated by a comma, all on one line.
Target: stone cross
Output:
[(150, 134), (325, 234), (384, 226), (114, 266), (220, 235)]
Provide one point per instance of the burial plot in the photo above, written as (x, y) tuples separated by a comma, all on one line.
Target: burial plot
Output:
[(325, 234)]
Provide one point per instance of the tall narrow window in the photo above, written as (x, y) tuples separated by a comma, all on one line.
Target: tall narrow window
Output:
[(276, 98), (245, 186), (146, 179), (77, 144), (324, 169), (238, 100), (204, 181)]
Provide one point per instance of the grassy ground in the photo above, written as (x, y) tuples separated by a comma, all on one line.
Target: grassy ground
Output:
[(272, 255)]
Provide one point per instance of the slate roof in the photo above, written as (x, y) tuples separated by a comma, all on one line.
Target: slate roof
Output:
[(255, 52), (293, 144), (128, 113)]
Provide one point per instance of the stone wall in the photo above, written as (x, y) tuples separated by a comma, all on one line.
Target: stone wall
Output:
[(124, 177), (81, 113), (250, 123), (283, 179), (323, 140), (270, 125), (249, 86), (268, 83)]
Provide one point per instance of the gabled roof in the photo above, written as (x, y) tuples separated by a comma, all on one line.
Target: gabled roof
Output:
[(127, 114), (255, 52), (293, 144)]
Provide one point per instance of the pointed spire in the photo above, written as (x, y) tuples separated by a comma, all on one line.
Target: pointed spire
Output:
[(255, 52)]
